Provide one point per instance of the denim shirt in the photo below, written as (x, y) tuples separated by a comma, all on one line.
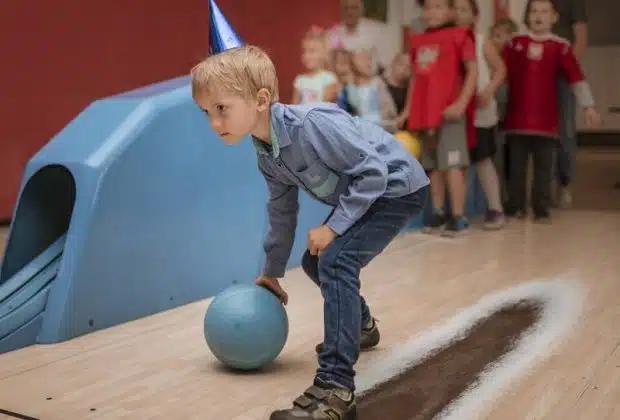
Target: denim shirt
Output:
[(340, 160)]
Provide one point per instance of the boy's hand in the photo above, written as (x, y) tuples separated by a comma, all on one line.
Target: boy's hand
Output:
[(273, 285), (454, 111), (319, 239), (593, 118)]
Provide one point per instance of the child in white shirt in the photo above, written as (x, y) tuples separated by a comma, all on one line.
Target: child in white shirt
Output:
[(317, 84)]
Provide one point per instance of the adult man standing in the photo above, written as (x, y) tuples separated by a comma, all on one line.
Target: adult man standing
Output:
[(354, 32), (573, 26)]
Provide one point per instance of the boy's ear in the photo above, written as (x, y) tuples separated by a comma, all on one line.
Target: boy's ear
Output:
[(554, 17), (263, 99)]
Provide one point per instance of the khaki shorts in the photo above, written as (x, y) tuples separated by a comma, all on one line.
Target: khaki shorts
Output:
[(451, 150)]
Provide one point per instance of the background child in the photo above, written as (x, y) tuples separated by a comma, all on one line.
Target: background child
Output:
[(491, 74), (364, 96), (534, 62), (440, 95), (501, 32), (341, 65), (393, 87), (374, 185), (317, 84)]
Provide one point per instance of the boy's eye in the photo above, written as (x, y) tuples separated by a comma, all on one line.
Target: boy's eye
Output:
[(221, 108)]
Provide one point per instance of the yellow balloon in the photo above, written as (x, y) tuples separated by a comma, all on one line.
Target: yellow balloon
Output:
[(410, 142)]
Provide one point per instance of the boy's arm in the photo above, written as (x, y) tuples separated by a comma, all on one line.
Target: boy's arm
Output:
[(580, 27), (498, 68), (282, 208), (574, 75), (407, 108), (580, 87), (459, 107), (468, 57), (338, 142)]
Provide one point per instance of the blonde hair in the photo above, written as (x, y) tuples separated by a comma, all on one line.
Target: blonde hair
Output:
[(242, 70), (315, 33)]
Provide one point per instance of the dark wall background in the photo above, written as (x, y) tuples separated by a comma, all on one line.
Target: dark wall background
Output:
[(604, 16), (59, 56)]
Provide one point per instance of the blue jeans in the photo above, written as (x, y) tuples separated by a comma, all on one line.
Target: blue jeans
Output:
[(337, 272), (566, 154)]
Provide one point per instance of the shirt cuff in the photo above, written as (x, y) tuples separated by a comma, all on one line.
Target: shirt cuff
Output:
[(339, 223), (583, 94)]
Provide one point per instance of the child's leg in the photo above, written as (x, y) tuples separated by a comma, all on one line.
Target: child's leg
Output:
[(438, 217), (487, 175), (370, 333), (543, 168), (438, 190), (519, 152), (457, 187), (339, 267), (453, 159), (566, 153)]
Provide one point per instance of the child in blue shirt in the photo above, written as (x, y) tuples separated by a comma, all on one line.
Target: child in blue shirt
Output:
[(373, 184)]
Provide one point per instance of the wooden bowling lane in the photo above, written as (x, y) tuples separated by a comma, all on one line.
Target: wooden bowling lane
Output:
[(160, 368)]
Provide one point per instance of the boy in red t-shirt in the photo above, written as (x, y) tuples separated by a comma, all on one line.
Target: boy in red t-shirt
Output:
[(534, 61), (444, 80)]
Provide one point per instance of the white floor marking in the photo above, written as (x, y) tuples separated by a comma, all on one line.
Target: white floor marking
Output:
[(561, 311)]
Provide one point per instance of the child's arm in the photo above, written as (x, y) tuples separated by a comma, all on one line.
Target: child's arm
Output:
[(296, 97), (332, 87), (458, 107), (498, 73), (468, 57), (296, 93), (387, 109), (572, 71), (341, 146), (282, 208), (407, 109), (331, 92)]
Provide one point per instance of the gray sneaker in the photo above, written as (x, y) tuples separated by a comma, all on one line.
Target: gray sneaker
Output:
[(370, 338), (322, 401)]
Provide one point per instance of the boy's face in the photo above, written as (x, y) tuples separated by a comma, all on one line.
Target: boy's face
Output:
[(500, 37), (231, 116), (541, 16), (401, 67), (342, 64), (437, 13), (312, 53), (463, 13)]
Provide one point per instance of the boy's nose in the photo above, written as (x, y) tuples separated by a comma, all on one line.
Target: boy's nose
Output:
[(216, 125)]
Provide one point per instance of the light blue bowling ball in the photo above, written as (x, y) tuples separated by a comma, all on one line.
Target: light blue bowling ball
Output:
[(246, 326)]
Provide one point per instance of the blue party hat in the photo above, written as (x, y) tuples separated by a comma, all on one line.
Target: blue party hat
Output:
[(222, 36)]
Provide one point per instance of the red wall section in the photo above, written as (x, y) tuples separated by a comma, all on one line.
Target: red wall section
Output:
[(59, 56)]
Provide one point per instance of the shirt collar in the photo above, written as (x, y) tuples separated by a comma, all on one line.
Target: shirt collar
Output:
[(279, 135)]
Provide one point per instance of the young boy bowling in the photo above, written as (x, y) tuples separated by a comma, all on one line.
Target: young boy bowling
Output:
[(374, 185)]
